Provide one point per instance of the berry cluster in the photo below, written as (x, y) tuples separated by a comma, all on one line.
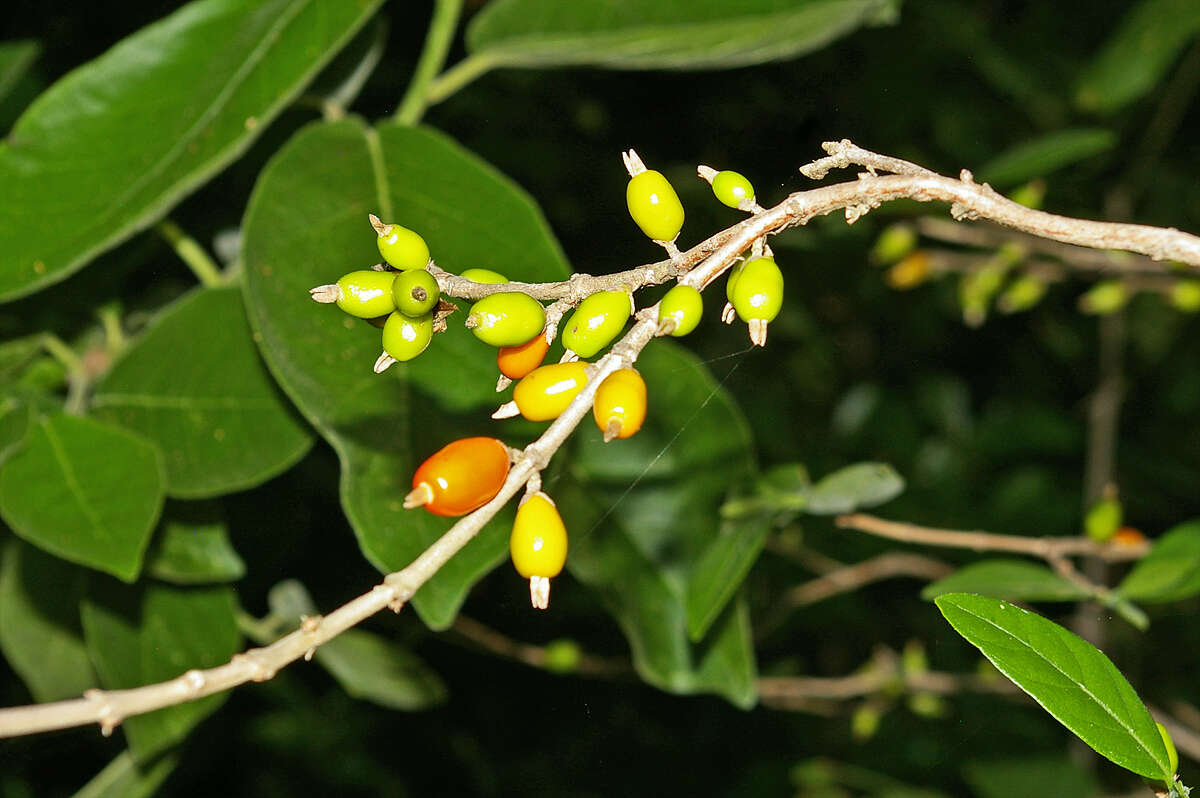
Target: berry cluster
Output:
[(403, 296)]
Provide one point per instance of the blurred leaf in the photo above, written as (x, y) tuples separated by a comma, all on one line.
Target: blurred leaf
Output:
[(85, 491), (112, 146), (192, 547), (39, 623), (306, 225), (15, 59), (152, 634), (1138, 55), (1171, 571), (664, 34), (16, 354), (783, 489), (366, 665), (16, 417), (853, 487), (1045, 155), (1031, 776), (124, 778), (196, 386), (1015, 580), (643, 513), (721, 569), (1067, 675), (341, 81)]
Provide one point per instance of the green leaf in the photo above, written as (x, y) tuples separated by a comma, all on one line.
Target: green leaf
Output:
[(16, 354), (852, 487), (721, 569), (340, 83), (16, 417), (1067, 675), (663, 34), (196, 386), (39, 623), (124, 778), (306, 225), (642, 514), (366, 665), (193, 547), (115, 144), (1171, 571), (1047, 154), (15, 59), (1138, 55), (86, 491), (152, 634), (1016, 580)]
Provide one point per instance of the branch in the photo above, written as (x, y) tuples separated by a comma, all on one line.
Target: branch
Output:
[(535, 656), (699, 267)]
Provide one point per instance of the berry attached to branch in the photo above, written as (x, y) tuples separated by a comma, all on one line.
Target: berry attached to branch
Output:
[(546, 391), (652, 202), (506, 319), (757, 295), (400, 247), (620, 404), (460, 477), (538, 546), (597, 321)]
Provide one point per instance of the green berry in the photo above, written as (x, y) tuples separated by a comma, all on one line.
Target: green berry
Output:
[(731, 188), (506, 319), (894, 244), (1103, 519), (732, 279), (596, 322), (404, 338), (1022, 294), (484, 276), (1104, 298), (366, 293), (416, 292), (1185, 295), (683, 304), (401, 247), (654, 205), (758, 290)]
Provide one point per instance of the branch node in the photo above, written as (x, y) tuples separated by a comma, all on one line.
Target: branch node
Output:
[(195, 681), (309, 624)]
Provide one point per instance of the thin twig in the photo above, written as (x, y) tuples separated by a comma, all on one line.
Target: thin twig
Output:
[(535, 656), (433, 56), (191, 253)]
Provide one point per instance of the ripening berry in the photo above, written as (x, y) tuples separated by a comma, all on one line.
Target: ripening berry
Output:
[(910, 271), (654, 205), (1129, 536), (506, 319), (399, 246), (596, 322), (460, 477), (545, 392), (405, 337), (684, 306), (620, 404), (416, 292), (538, 546), (517, 361), (732, 188), (366, 293)]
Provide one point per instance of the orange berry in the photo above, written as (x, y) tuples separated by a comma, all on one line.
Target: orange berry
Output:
[(517, 361), (460, 477), (1128, 536)]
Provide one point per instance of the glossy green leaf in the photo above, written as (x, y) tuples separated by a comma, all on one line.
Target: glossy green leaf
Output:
[(306, 226), (15, 59), (39, 623), (853, 487), (195, 385), (85, 491), (1171, 571), (125, 778), (112, 146), (1045, 155), (721, 570), (366, 665), (1139, 54), (152, 634), (642, 514), (1067, 675), (1015, 580), (192, 547), (664, 34)]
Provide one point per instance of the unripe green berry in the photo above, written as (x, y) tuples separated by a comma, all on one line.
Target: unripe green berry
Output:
[(366, 293), (893, 244), (731, 280), (416, 292), (562, 656), (731, 188), (1022, 294), (403, 248), (1103, 519), (654, 205), (484, 276), (758, 290), (1104, 298), (683, 304), (1185, 295), (506, 319), (596, 322), (404, 338)]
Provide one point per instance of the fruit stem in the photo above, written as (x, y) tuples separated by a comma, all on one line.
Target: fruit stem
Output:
[(326, 294), (758, 332), (383, 363), (539, 592), (419, 496), (633, 164), (707, 173), (612, 431), (381, 229)]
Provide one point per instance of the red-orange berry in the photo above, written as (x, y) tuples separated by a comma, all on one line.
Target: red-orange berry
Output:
[(460, 477), (517, 361)]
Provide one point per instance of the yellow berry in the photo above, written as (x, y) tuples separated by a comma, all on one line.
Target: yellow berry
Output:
[(620, 404), (545, 392), (538, 545), (654, 205)]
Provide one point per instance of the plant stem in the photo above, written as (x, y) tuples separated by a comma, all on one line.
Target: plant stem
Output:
[(457, 76), (433, 56), (77, 375), (191, 253)]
